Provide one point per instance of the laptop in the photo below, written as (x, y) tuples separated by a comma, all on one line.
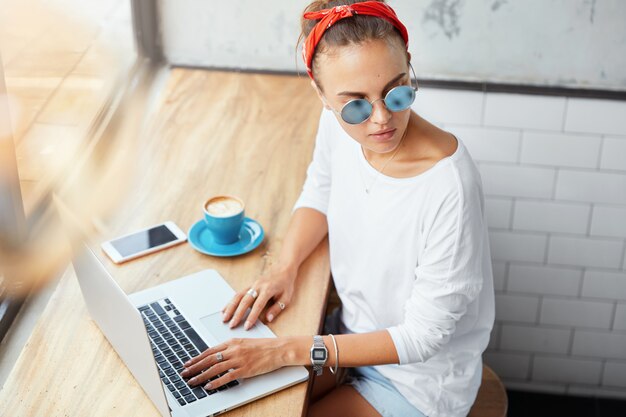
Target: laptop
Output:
[(156, 330)]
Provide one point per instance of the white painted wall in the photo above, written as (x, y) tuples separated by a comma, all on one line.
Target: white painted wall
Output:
[(246, 34), (573, 43)]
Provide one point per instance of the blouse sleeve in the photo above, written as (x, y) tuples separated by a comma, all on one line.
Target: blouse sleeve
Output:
[(316, 190), (448, 277)]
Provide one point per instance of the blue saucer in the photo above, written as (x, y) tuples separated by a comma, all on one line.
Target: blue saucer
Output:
[(201, 239)]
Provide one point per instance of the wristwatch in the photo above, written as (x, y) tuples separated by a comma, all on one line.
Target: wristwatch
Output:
[(319, 355)]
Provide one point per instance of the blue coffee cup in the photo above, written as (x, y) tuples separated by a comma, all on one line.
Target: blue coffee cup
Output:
[(224, 216)]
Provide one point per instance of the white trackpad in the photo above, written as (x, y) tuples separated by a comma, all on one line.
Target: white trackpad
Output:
[(221, 332)]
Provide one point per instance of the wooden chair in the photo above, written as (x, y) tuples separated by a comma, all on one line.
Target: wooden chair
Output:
[(491, 400)]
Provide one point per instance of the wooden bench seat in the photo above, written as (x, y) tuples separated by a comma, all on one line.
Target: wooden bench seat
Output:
[(491, 400)]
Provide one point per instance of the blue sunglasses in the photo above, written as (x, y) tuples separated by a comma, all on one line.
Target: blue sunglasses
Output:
[(397, 99)]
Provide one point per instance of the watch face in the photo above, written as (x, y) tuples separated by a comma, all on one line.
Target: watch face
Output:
[(319, 353)]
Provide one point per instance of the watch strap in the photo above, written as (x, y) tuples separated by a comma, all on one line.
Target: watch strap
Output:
[(318, 366)]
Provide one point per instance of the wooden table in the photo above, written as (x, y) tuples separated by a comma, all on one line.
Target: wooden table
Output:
[(247, 135)]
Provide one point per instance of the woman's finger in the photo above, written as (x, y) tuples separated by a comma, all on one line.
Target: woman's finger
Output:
[(229, 309), (257, 307), (207, 352), (274, 310), (206, 363), (211, 372), (223, 380), (244, 304)]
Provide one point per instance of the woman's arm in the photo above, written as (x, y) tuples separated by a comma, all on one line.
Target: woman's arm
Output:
[(306, 230), (245, 358), (356, 349)]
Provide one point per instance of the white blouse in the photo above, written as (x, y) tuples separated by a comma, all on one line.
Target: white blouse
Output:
[(411, 257)]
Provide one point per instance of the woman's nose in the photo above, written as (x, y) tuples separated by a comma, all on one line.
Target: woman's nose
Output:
[(380, 112)]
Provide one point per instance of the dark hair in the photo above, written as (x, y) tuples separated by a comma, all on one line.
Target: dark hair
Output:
[(350, 31)]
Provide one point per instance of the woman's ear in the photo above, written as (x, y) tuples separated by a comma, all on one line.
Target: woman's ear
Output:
[(319, 94), (408, 55)]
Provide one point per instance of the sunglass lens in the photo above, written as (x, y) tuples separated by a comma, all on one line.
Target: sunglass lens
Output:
[(400, 98), (356, 111)]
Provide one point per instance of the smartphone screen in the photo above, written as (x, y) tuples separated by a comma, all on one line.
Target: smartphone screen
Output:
[(141, 241)]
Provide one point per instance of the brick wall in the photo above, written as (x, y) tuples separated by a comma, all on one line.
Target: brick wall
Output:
[(554, 176)]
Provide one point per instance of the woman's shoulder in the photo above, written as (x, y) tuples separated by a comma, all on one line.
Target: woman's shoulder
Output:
[(431, 148), (437, 143), (329, 126), (457, 170), (328, 120)]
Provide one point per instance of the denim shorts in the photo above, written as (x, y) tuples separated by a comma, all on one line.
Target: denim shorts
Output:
[(372, 385)]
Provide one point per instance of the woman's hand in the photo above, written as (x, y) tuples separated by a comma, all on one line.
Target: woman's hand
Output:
[(273, 289), (244, 358)]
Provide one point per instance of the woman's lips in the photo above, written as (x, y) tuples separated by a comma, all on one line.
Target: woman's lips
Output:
[(384, 135)]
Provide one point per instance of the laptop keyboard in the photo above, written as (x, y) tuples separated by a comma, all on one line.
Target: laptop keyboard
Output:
[(173, 343)]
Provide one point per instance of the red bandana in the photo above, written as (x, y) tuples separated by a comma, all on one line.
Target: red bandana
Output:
[(330, 16)]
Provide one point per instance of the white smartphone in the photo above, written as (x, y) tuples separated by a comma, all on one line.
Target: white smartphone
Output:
[(143, 242)]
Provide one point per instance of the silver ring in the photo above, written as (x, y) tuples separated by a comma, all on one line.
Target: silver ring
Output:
[(252, 293), (281, 305), (219, 356)]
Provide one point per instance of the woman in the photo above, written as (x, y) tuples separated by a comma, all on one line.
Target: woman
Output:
[(401, 201)]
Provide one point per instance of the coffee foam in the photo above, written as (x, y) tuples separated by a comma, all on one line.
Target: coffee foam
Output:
[(223, 206)]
